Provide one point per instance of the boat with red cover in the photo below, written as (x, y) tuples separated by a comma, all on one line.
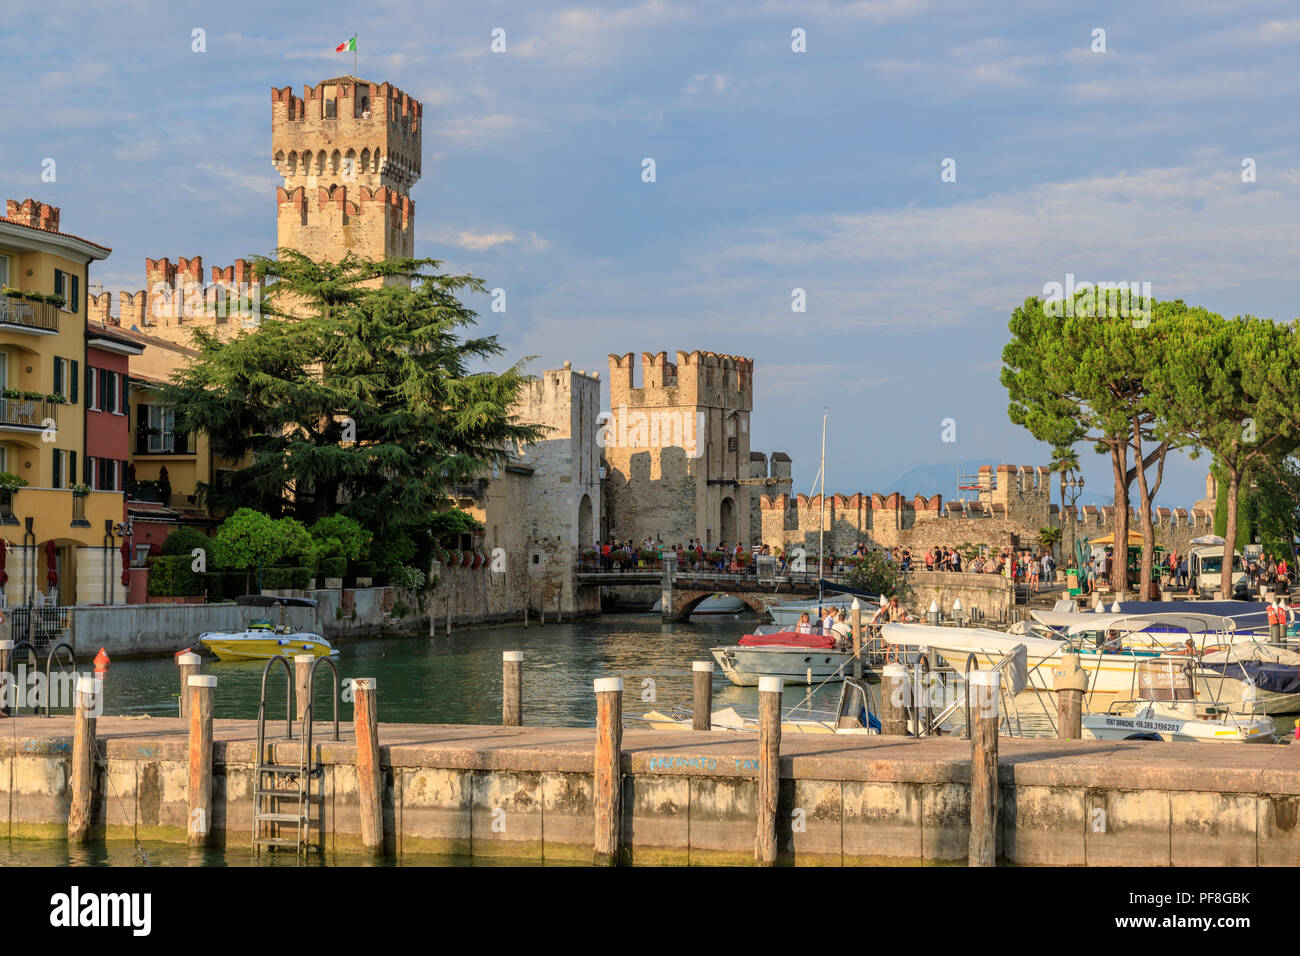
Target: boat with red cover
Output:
[(804, 657)]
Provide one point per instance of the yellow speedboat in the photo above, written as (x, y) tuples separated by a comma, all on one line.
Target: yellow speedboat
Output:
[(263, 638)]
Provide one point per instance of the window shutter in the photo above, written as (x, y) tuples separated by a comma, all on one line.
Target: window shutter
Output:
[(75, 301), (58, 462), (110, 391), (103, 389), (74, 381), (58, 376), (90, 385), (72, 468), (88, 471), (58, 281)]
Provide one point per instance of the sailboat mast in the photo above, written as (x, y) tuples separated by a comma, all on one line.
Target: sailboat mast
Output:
[(821, 525)]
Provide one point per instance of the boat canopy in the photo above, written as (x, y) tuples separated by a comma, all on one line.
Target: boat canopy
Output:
[(273, 600), (1190, 621)]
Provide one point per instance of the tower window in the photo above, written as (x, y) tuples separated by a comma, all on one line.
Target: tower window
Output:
[(330, 109)]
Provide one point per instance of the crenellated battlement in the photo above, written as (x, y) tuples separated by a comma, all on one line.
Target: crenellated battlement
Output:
[(32, 212), (696, 378), (348, 152), (1013, 504)]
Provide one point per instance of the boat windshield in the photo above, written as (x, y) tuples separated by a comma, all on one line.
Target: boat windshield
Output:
[(261, 624)]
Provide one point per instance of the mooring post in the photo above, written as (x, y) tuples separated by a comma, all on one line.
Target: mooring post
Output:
[(202, 691), (449, 613), (769, 768), (702, 709), (559, 610), (855, 618), (985, 690), (512, 688), (302, 682), (6, 677), (188, 664), (89, 690), (893, 700), (666, 585), (370, 784), (608, 778), (525, 610), (1069, 681)]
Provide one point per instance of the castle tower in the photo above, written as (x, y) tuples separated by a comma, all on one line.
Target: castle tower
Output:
[(677, 448), (348, 152)]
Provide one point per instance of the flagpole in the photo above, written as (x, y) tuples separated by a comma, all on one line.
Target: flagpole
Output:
[(354, 54)]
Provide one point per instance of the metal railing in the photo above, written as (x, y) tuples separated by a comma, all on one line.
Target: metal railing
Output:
[(43, 627), (31, 315), (28, 412)]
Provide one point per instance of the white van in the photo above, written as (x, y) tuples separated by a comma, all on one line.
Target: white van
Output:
[(1205, 568)]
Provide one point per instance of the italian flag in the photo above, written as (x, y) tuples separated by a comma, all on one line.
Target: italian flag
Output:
[(347, 45)]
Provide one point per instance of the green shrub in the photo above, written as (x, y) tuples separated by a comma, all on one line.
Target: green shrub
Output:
[(341, 535), (363, 569), (276, 579), (170, 576), (184, 540), (335, 567)]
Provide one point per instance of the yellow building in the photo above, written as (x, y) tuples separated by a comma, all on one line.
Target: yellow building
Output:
[(58, 534)]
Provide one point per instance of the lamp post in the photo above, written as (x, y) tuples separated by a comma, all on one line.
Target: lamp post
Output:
[(1074, 485)]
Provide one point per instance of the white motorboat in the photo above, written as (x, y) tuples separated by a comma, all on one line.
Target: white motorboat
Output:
[(787, 615), (853, 715), (1166, 708), (718, 604), (1110, 646), (808, 657)]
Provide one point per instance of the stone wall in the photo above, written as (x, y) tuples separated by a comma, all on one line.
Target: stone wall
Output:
[(991, 596), (690, 798), (1013, 504)]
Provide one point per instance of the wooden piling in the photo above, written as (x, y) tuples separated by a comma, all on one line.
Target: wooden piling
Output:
[(449, 614), (83, 758), (855, 619), (559, 610), (893, 700), (1069, 681), (6, 677), (769, 768), (201, 691), (370, 784), (608, 776), (525, 613), (985, 690), (702, 707), (512, 688), (302, 682), (188, 664)]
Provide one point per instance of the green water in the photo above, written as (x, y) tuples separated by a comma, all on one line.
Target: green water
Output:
[(457, 679)]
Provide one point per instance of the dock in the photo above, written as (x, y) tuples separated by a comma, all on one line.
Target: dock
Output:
[(688, 797)]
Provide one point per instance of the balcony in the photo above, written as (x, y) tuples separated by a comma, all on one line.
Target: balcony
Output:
[(35, 318), (27, 414), (61, 513)]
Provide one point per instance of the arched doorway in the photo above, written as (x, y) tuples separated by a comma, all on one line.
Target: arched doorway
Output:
[(727, 526), (586, 536)]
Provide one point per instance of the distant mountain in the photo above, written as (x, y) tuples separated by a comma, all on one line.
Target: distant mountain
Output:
[(935, 479)]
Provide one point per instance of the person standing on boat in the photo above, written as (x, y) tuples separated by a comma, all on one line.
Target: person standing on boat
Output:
[(891, 613), (805, 624)]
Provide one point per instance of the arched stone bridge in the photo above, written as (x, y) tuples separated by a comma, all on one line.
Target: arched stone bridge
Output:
[(682, 591)]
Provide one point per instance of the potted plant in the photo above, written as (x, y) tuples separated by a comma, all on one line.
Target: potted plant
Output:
[(10, 292), (81, 491), (56, 300)]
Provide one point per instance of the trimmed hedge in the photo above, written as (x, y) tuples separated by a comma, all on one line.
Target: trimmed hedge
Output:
[(363, 569), (335, 567), (281, 578), (170, 576)]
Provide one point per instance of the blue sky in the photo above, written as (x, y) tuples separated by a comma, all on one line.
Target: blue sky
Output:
[(775, 170)]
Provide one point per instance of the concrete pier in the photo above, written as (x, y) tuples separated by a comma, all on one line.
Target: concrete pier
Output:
[(690, 797)]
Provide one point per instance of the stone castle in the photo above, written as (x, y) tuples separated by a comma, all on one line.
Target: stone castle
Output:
[(669, 458), (1013, 503)]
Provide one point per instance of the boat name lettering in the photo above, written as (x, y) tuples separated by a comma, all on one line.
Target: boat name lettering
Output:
[(1141, 725)]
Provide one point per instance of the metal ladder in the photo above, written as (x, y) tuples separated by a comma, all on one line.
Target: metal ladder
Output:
[(270, 816)]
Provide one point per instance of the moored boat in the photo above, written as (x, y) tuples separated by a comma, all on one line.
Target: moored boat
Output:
[(263, 639), (807, 657)]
